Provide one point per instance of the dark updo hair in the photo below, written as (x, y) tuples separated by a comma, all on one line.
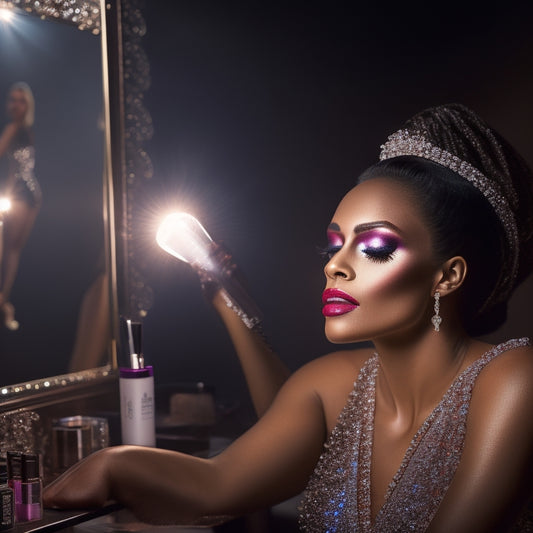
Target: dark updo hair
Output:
[(461, 220)]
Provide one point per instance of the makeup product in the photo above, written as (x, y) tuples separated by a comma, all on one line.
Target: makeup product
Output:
[(31, 505), (70, 444), (7, 503), (14, 476), (137, 404)]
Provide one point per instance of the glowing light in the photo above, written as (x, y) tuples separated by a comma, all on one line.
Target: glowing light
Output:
[(5, 204), (6, 15), (182, 236)]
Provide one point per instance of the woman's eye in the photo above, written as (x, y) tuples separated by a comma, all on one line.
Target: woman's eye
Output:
[(379, 248), (379, 252), (329, 251)]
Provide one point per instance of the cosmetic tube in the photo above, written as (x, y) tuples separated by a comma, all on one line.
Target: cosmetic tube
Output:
[(137, 404), (7, 503), (14, 477), (31, 506)]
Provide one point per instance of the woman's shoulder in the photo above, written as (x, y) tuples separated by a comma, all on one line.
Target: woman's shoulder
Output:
[(331, 378), (512, 356), (509, 374), (340, 362)]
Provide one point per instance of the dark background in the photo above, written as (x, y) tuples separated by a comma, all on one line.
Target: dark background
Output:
[(265, 113)]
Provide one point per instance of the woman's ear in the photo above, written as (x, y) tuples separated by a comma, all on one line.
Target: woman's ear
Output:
[(451, 275)]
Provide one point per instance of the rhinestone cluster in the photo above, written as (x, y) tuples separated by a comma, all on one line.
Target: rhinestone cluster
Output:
[(84, 14), (25, 158), (338, 496), (403, 142), (250, 322)]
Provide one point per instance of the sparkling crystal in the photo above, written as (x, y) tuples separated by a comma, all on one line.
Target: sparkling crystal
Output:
[(337, 497), (404, 142), (86, 15), (436, 321)]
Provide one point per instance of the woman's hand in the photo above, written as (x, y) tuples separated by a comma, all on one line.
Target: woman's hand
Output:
[(225, 268)]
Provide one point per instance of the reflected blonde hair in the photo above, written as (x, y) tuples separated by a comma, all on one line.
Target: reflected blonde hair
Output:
[(28, 94)]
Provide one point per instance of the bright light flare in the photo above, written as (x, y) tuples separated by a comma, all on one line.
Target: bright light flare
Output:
[(6, 15), (182, 236), (5, 204)]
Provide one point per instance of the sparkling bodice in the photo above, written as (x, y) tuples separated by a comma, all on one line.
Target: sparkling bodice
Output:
[(25, 165), (337, 498), (24, 182)]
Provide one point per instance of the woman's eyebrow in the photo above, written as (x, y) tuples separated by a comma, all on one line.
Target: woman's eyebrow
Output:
[(366, 226)]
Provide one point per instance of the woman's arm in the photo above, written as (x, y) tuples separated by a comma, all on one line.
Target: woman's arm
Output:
[(264, 371), (7, 136), (493, 480), (269, 463)]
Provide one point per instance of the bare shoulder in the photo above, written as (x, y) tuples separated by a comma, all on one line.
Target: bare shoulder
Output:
[(332, 377), (506, 384), (493, 477), (514, 365), (339, 363)]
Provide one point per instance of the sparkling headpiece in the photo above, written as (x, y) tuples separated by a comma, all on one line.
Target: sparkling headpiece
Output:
[(404, 142)]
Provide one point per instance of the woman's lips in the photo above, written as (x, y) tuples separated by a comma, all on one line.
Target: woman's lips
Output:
[(336, 302)]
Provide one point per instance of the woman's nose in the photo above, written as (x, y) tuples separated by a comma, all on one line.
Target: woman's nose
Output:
[(339, 267)]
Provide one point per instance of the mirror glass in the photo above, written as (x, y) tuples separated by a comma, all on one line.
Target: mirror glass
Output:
[(59, 291)]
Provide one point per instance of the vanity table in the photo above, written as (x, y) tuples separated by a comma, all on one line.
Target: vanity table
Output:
[(62, 520), (204, 434)]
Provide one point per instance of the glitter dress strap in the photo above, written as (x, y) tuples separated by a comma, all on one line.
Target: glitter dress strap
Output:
[(330, 502), (337, 499), (433, 456)]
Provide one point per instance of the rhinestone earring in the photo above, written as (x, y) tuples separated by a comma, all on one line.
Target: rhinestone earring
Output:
[(436, 319)]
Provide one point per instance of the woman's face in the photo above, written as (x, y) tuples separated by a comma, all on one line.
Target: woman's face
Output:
[(17, 105), (381, 271)]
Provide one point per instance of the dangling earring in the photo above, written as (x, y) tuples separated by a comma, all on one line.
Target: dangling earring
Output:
[(436, 319)]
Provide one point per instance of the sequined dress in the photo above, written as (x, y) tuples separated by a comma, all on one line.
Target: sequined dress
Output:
[(337, 498), (21, 157)]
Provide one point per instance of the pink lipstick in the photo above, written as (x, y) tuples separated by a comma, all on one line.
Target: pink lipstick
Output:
[(336, 302)]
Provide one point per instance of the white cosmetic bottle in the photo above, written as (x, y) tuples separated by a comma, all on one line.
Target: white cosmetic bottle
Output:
[(137, 403)]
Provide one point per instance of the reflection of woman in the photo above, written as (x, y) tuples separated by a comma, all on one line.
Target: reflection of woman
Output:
[(20, 187), (437, 432)]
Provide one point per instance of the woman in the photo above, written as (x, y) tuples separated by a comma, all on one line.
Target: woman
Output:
[(21, 188), (437, 432)]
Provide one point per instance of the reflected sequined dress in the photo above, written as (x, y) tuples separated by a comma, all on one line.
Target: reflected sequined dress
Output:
[(21, 159), (337, 498)]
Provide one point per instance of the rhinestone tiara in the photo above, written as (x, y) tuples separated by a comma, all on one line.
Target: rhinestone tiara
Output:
[(403, 142)]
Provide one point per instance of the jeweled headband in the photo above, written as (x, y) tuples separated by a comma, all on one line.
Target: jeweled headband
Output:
[(404, 142)]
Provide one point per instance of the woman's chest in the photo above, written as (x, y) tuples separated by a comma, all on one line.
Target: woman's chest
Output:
[(389, 443)]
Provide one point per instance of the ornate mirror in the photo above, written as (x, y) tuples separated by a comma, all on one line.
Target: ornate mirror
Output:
[(85, 67), (62, 253)]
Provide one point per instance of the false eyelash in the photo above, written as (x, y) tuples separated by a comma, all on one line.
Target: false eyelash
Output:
[(382, 254), (328, 251)]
